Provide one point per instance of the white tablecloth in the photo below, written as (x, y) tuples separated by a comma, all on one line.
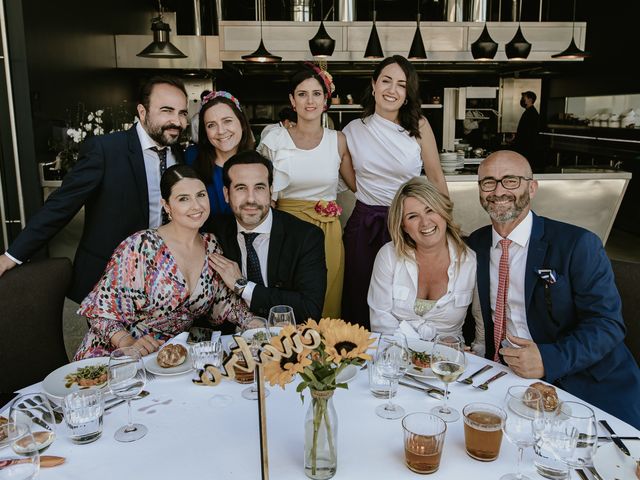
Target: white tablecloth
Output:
[(189, 439)]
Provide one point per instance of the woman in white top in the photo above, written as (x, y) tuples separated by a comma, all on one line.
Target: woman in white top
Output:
[(426, 276), (391, 144), (307, 160)]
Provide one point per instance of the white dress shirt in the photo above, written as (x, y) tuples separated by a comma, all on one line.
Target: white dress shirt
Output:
[(261, 246), (394, 288), (152, 170), (516, 314)]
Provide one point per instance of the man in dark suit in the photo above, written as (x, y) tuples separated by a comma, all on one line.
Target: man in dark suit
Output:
[(270, 257), (547, 295), (527, 140), (117, 180)]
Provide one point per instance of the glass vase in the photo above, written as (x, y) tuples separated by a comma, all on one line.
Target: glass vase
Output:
[(320, 436)]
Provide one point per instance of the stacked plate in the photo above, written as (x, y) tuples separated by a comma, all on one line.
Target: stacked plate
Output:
[(450, 162)]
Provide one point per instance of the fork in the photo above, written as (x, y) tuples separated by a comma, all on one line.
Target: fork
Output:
[(485, 385), (595, 473), (150, 376), (469, 380)]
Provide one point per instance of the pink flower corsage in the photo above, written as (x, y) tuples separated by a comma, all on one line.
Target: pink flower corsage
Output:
[(328, 209)]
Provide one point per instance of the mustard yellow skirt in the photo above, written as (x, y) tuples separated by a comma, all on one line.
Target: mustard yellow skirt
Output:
[(333, 248)]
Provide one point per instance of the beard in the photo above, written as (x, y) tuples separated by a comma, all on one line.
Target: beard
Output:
[(158, 132), (253, 219), (508, 212)]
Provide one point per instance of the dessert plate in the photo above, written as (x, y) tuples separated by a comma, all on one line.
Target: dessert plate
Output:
[(611, 463), (348, 374), (54, 385), (151, 365)]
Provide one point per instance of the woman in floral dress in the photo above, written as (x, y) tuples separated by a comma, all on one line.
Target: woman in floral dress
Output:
[(158, 281)]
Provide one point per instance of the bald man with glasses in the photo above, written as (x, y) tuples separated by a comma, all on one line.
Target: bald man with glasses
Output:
[(547, 295)]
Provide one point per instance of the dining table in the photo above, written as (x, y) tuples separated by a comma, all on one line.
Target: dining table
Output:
[(193, 435)]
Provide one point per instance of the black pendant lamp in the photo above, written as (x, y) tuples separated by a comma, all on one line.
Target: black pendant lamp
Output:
[(261, 55), (417, 52), (484, 48), (572, 51), (374, 49), (322, 45), (161, 47), (518, 48)]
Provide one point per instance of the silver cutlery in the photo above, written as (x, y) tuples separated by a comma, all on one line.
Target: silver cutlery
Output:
[(595, 473), (581, 474), (469, 379), (485, 385), (429, 391), (150, 376), (115, 403), (614, 438), (57, 415), (424, 384)]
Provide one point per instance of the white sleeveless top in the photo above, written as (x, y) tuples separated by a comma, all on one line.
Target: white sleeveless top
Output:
[(384, 157), (302, 174)]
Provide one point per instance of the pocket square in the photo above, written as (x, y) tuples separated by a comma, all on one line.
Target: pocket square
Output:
[(548, 275)]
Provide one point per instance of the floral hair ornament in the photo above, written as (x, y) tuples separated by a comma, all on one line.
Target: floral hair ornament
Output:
[(325, 76), (220, 93)]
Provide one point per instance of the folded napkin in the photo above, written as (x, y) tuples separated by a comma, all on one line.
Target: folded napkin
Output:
[(180, 339), (408, 330)]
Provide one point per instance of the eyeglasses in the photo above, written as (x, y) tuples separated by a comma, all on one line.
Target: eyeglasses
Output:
[(510, 182)]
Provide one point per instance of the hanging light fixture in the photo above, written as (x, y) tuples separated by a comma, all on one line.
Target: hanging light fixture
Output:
[(484, 48), (374, 49), (518, 48), (161, 47), (261, 55), (417, 52), (572, 51), (322, 45)]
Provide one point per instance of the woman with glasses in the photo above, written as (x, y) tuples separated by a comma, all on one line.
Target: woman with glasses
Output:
[(426, 276)]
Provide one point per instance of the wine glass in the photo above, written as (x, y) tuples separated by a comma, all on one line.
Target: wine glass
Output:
[(256, 333), (127, 378), (281, 316), (34, 410), (26, 462), (524, 408), (392, 361), (448, 362)]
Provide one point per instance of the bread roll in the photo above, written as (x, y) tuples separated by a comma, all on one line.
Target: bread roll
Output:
[(550, 399), (171, 356)]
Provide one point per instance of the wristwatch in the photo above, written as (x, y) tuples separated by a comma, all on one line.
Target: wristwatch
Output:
[(238, 287)]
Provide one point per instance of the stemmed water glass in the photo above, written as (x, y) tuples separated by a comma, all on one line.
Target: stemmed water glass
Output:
[(281, 316), (26, 463), (392, 361), (256, 332), (524, 408), (127, 378), (448, 362), (34, 410)]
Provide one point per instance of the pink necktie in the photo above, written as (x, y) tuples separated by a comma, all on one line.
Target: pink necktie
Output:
[(499, 319)]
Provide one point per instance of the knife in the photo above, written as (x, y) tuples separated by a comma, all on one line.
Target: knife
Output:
[(425, 384), (615, 439), (581, 474), (431, 392), (46, 461)]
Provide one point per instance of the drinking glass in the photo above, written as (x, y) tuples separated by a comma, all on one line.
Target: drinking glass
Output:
[(83, 412), (256, 333), (448, 362), (392, 361), (523, 406), (209, 353), (24, 465), (127, 378), (583, 420), (281, 316), (34, 410), (483, 424), (423, 441)]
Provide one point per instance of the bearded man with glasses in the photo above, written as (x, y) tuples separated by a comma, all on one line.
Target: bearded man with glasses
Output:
[(547, 295)]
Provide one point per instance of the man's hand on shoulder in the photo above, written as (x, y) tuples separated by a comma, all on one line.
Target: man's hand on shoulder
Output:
[(526, 360), (6, 264)]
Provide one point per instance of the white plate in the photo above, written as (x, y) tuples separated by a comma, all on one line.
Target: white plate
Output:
[(152, 366), (419, 345), (348, 374), (611, 463), (54, 384)]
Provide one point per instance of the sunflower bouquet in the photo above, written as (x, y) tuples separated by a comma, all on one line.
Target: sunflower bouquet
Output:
[(341, 344)]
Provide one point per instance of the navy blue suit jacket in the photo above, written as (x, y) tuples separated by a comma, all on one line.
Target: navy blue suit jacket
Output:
[(577, 323), (109, 180)]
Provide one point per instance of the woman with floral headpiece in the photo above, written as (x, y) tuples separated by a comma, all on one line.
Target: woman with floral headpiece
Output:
[(308, 161), (224, 131)]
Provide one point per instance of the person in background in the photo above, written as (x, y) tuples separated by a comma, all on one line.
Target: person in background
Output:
[(117, 180), (226, 132), (195, 119), (425, 277), (287, 119), (308, 161), (159, 280), (526, 140), (270, 257), (547, 295), (391, 144)]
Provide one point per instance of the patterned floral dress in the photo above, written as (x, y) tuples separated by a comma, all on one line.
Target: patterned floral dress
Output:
[(143, 292)]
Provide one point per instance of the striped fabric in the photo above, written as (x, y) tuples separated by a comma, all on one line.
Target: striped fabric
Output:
[(499, 318)]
